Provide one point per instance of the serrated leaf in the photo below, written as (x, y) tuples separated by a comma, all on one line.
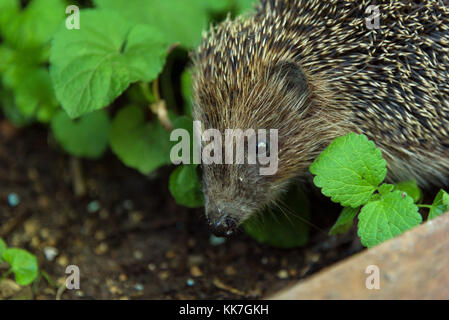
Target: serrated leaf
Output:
[(92, 66), (23, 265), (387, 217), (179, 20), (385, 188), (440, 205), (186, 187), (87, 137), (349, 170), (411, 188), (344, 221), (140, 145), (286, 228)]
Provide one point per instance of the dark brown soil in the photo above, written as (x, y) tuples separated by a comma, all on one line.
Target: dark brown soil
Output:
[(139, 244)]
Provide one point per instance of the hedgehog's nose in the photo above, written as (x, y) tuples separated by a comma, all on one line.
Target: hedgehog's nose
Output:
[(223, 226)]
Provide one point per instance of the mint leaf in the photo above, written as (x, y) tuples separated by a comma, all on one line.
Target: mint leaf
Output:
[(92, 66), (440, 205), (140, 145), (411, 188), (384, 189), (349, 170), (185, 186), (344, 221), (283, 228), (179, 20), (387, 217), (23, 264), (87, 137)]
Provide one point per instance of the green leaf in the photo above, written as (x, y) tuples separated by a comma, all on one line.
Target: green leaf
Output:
[(2, 248), (286, 228), (179, 20), (92, 66), (87, 137), (186, 187), (385, 188), (387, 217), (411, 188), (10, 110), (34, 96), (9, 11), (440, 205), (349, 170), (34, 26), (140, 145), (23, 264), (344, 221)]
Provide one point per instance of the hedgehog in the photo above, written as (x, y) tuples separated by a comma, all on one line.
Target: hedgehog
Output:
[(315, 71)]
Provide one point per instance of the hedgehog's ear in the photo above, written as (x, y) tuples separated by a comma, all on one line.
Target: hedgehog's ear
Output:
[(292, 74)]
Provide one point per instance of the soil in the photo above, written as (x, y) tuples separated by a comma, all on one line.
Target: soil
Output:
[(130, 239)]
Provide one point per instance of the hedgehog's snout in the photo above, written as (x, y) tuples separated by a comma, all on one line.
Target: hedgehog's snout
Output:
[(222, 225)]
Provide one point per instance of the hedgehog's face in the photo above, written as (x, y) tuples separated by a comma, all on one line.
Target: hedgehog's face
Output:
[(277, 101), (234, 192)]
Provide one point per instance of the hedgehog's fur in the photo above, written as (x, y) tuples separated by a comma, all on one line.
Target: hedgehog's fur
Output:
[(390, 84)]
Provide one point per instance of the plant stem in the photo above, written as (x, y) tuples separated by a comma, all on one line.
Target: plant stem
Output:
[(424, 206), (79, 187), (159, 107)]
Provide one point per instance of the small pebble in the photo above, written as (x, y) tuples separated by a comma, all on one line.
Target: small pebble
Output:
[(151, 267), (170, 254), (216, 241), (123, 277), (195, 271), (190, 282), (138, 254), (13, 199), (282, 274), (230, 271), (128, 205), (50, 253), (138, 287), (101, 249), (163, 275), (93, 206), (63, 261)]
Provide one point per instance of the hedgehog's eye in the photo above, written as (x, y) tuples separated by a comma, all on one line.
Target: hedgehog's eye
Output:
[(263, 148)]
